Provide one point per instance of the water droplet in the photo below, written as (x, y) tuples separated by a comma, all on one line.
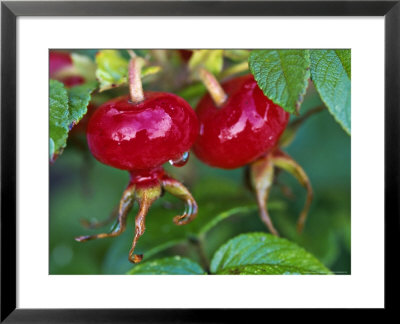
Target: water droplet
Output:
[(181, 161)]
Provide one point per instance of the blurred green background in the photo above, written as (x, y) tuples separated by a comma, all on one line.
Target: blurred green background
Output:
[(83, 188)]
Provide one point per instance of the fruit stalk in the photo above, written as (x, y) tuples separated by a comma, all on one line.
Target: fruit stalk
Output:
[(214, 88), (135, 81)]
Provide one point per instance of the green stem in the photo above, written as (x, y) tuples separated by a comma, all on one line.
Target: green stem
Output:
[(199, 242), (296, 123), (164, 246), (291, 130), (235, 69)]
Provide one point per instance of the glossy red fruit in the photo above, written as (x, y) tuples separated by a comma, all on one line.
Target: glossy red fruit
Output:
[(246, 126), (144, 135)]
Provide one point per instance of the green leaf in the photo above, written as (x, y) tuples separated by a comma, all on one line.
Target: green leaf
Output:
[(282, 75), (84, 66), (150, 70), (331, 74), (345, 57), (168, 266), (211, 60), (237, 55), (78, 99), (67, 107), (112, 69), (259, 253), (58, 118)]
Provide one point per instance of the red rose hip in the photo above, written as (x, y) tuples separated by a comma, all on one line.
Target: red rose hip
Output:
[(239, 125), (246, 125), (144, 135), (139, 133)]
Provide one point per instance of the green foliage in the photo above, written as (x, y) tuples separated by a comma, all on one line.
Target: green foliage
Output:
[(150, 70), (252, 253), (91, 53), (112, 69), (345, 58), (224, 215), (168, 266), (237, 55), (218, 192), (211, 60), (78, 99), (59, 116), (331, 74), (67, 107), (282, 75), (259, 253), (84, 66), (214, 242)]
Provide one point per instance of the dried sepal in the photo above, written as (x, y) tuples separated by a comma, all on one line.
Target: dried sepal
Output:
[(145, 196), (125, 206), (178, 190), (145, 188), (262, 178), (285, 162)]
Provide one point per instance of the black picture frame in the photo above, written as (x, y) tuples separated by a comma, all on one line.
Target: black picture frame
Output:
[(10, 10)]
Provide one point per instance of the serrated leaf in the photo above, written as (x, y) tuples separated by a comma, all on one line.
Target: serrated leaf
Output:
[(331, 74), (282, 75), (168, 266), (67, 107), (58, 117), (345, 57), (78, 99), (211, 60), (112, 69), (260, 253), (58, 101)]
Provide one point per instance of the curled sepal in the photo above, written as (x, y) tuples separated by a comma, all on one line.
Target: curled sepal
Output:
[(262, 178), (178, 190), (285, 162), (145, 196), (125, 206), (145, 187)]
